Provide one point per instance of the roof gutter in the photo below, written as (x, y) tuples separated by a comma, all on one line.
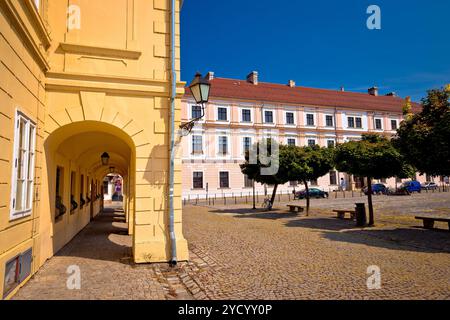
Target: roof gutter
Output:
[(173, 93)]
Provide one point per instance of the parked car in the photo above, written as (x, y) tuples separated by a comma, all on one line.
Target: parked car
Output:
[(313, 193), (377, 188), (430, 186), (411, 186)]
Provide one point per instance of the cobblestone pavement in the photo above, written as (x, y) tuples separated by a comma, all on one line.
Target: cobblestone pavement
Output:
[(103, 253), (237, 253)]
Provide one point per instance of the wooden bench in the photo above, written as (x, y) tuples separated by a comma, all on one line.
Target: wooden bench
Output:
[(428, 222), (341, 213), (295, 208)]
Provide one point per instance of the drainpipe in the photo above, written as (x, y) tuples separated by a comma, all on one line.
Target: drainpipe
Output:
[(173, 241)]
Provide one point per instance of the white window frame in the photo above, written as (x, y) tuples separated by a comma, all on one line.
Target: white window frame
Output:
[(203, 180), (291, 138), (274, 117), (390, 124), (29, 124), (228, 114), (314, 119), (242, 144), (325, 121), (220, 154), (229, 180), (285, 112), (191, 150), (375, 123), (241, 119), (331, 139), (191, 116)]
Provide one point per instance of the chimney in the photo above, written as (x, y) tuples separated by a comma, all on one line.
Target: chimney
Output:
[(373, 91), (253, 77), (342, 89), (291, 83), (392, 94), (210, 76)]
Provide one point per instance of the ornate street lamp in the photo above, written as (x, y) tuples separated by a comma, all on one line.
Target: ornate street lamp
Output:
[(105, 158), (200, 88)]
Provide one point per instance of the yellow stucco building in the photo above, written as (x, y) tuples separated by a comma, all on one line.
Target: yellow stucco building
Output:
[(79, 78)]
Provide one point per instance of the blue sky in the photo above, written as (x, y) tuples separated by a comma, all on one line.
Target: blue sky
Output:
[(321, 43)]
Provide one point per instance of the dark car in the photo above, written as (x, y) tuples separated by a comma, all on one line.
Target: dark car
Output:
[(313, 193), (430, 186), (377, 188), (411, 186)]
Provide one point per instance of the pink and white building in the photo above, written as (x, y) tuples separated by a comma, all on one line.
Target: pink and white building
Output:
[(241, 112)]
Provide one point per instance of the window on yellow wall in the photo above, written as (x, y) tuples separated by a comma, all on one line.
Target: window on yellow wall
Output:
[(88, 190), (23, 167), (60, 208), (82, 201), (73, 182)]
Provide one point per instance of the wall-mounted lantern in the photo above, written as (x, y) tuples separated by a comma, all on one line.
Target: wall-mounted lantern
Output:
[(105, 158), (200, 88)]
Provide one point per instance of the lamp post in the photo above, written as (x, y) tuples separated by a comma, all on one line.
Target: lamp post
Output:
[(200, 88), (105, 158)]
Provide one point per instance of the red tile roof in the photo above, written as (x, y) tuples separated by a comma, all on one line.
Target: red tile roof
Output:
[(222, 88)]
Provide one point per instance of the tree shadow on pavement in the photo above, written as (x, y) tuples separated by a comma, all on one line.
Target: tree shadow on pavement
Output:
[(257, 213), (409, 239), (332, 224)]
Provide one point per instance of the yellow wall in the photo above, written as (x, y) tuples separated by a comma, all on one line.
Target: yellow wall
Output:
[(103, 87)]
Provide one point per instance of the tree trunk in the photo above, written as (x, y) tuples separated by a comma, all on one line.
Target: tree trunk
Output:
[(307, 197), (274, 193), (369, 198), (254, 195)]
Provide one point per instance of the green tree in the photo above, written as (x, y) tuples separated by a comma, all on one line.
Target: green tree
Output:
[(373, 157), (424, 138), (307, 164), (274, 156)]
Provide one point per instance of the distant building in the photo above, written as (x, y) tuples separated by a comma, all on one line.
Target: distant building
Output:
[(241, 112)]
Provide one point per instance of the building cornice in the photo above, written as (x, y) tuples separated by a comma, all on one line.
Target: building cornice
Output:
[(100, 51), (65, 81), (18, 18)]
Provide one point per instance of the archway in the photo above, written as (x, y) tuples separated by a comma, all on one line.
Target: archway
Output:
[(74, 172)]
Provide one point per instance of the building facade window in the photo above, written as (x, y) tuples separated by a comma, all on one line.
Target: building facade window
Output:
[(197, 180), (23, 167), (378, 124), (224, 178), (330, 143), (310, 119), (248, 183), (246, 144), (197, 144), (311, 142), (394, 125), (196, 112), (60, 208), (354, 122), (291, 142), (329, 121), (268, 116), (290, 118), (223, 145), (314, 182), (333, 178), (222, 114), (246, 115)]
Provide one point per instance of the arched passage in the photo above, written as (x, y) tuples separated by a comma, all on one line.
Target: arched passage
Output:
[(74, 175)]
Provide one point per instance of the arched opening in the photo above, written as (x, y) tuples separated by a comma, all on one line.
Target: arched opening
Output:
[(75, 173)]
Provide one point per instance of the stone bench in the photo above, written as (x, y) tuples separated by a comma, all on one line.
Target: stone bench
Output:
[(295, 208), (341, 213), (428, 222)]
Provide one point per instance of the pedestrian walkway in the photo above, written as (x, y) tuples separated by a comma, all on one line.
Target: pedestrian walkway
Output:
[(102, 251)]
